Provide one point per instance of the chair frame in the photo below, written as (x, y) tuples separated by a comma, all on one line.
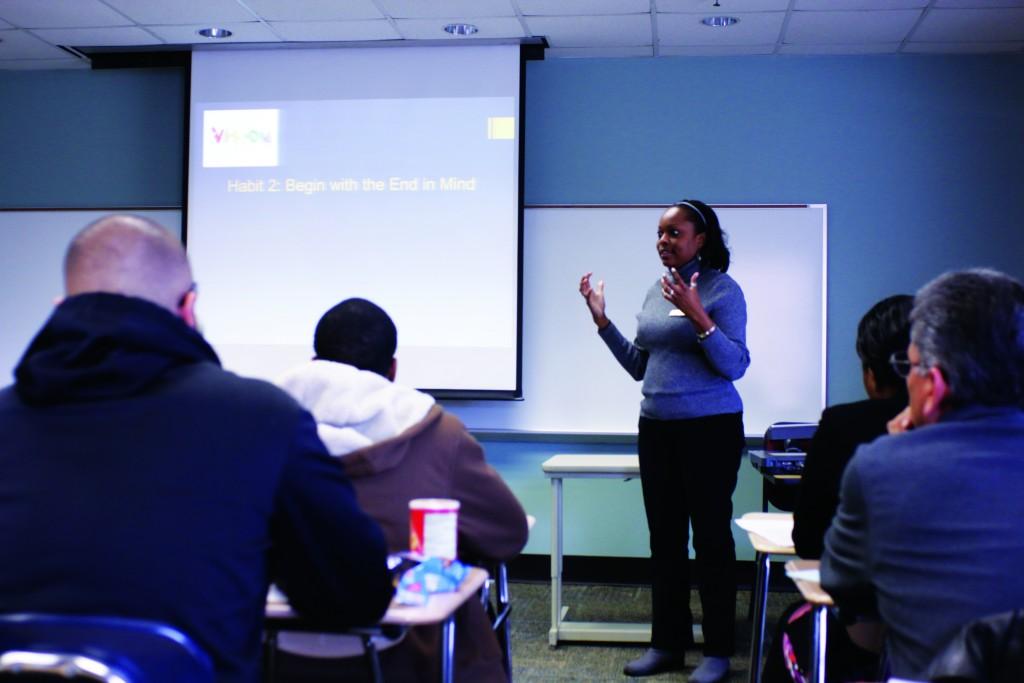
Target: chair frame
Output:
[(100, 648)]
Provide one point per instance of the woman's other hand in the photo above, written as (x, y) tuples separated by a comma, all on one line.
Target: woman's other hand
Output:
[(594, 296)]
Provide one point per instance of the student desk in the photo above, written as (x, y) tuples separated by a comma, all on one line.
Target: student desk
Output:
[(763, 551), (439, 609), (813, 593)]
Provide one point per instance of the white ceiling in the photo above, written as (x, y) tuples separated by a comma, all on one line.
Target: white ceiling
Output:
[(32, 30)]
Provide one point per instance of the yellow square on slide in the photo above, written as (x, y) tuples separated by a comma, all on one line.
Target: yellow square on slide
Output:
[(501, 128)]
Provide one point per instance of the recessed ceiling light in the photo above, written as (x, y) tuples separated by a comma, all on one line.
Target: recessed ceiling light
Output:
[(719, 22), (461, 29), (214, 32)]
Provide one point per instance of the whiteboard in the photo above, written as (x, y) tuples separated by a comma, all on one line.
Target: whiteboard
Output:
[(32, 246), (571, 382)]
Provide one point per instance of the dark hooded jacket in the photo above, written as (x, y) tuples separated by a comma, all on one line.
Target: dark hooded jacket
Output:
[(140, 479)]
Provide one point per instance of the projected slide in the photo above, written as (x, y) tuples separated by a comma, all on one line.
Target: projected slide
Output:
[(389, 189)]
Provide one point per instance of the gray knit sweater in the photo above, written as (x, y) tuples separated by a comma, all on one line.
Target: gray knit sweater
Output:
[(683, 377)]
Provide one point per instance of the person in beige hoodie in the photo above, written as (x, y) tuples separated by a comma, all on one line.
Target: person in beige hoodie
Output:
[(397, 444)]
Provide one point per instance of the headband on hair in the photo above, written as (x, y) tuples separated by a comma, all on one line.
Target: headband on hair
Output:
[(695, 210)]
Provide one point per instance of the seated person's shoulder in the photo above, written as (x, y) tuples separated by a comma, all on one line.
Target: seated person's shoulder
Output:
[(441, 424), (846, 426), (874, 410), (219, 384), (251, 412)]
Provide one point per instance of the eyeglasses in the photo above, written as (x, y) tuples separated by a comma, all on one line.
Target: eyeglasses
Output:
[(902, 365)]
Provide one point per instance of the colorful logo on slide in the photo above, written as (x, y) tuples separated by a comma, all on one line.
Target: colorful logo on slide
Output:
[(240, 137)]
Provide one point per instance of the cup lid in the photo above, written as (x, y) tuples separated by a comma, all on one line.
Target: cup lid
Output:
[(442, 504)]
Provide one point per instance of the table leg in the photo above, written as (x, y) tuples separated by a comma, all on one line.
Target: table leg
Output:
[(372, 658), (819, 643), (556, 559), (763, 564), (448, 648), (269, 655)]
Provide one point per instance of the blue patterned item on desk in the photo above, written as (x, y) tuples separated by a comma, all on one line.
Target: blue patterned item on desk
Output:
[(433, 575)]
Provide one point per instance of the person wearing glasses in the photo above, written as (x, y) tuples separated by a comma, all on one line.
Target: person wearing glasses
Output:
[(883, 330), (928, 535), (689, 349), (142, 480)]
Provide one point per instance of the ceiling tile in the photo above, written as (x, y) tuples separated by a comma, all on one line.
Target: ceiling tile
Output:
[(714, 50), (964, 48), (205, 12), (754, 28), (598, 52), (249, 32), (840, 49), (707, 7), (42, 64), (608, 31), (301, 31), (847, 27), (433, 29), (858, 4), (971, 25), (59, 14), (95, 37), (463, 9), (555, 8), (24, 45), (315, 10), (978, 3)]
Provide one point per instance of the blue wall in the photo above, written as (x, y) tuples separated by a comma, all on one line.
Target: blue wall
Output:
[(919, 159), (83, 139)]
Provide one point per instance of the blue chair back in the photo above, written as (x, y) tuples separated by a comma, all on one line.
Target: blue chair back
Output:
[(109, 649)]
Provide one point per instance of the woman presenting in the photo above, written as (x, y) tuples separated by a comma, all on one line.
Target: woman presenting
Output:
[(690, 347)]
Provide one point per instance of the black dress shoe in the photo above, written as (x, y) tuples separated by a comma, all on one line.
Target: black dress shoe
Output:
[(655, 661)]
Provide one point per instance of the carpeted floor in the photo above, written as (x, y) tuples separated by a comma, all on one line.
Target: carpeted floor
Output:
[(534, 661)]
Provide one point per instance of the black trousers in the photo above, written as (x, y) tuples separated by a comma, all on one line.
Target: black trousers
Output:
[(688, 472)]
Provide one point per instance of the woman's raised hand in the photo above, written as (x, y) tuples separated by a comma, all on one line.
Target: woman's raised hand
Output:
[(594, 296), (684, 296)]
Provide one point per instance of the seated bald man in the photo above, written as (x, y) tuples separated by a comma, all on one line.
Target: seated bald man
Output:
[(142, 480)]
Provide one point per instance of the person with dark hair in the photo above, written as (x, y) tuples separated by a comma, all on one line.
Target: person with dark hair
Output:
[(690, 347), (927, 536), (884, 330), (142, 480), (359, 333), (397, 444)]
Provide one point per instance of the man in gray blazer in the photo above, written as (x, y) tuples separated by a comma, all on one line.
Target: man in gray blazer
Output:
[(929, 534)]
